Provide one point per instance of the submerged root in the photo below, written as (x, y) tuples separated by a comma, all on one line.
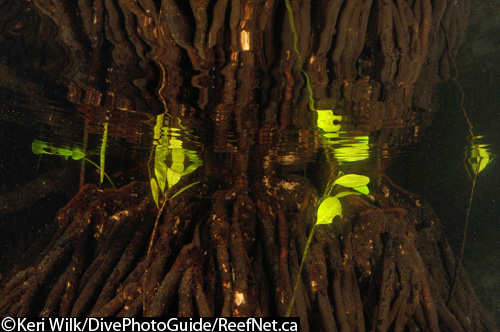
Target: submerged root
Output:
[(387, 269)]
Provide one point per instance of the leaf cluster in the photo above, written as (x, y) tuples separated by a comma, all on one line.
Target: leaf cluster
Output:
[(480, 157), (41, 147), (171, 160), (330, 206)]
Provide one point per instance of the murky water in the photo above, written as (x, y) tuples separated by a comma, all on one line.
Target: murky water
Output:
[(437, 166)]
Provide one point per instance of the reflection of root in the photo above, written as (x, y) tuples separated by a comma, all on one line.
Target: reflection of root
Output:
[(389, 270)]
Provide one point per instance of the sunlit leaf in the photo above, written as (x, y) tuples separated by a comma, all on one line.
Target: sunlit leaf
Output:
[(362, 189), (327, 210), (161, 170), (484, 157), (483, 162), (346, 193), (77, 154), (154, 190), (352, 180), (160, 166), (172, 177), (64, 152)]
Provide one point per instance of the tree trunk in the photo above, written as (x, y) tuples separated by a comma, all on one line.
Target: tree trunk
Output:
[(236, 75)]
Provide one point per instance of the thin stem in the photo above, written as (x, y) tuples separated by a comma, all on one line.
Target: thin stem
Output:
[(152, 239), (462, 249), (297, 279), (475, 171), (148, 255), (459, 86)]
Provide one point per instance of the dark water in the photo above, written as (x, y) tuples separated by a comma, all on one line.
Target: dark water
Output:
[(436, 167), (38, 109)]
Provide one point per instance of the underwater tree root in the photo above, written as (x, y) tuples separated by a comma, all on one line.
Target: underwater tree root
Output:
[(384, 269)]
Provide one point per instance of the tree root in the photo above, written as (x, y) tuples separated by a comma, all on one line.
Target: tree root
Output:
[(380, 273)]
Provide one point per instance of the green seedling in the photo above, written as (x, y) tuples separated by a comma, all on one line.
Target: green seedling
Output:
[(170, 159), (329, 208), (40, 148), (479, 157), (171, 163)]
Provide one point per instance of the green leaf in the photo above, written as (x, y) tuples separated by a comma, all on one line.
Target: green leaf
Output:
[(77, 154), (362, 189), (154, 190), (64, 152), (484, 157), (38, 147), (190, 169), (185, 188), (352, 180), (160, 167), (483, 163), (327, 210), (161, 171), (346, 193), (172, 177)]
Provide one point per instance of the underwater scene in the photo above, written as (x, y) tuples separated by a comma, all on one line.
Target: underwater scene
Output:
[(332, 160)]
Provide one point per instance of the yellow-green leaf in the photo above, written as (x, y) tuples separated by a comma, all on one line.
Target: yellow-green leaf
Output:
[(185, 188), (484, 157), (38, 147), (64, 152), (77, 154), (362, 189), (172, 177), (327, 210), (161, 173), (160, 167), (154, 190), (346, 193)]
